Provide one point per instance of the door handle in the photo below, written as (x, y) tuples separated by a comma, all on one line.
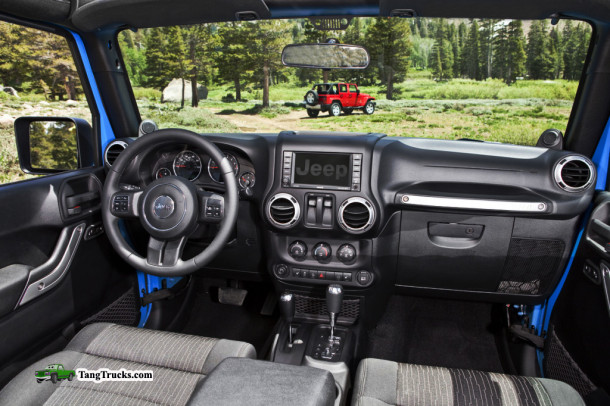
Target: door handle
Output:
[(46, 276), (601, 228), (77, 200)]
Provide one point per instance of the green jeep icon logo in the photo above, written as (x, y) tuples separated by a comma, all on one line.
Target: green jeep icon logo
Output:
[(54, 373)]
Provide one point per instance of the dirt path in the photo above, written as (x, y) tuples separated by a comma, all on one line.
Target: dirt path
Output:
[(254, 123)]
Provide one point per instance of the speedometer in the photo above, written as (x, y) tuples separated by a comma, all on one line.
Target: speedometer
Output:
[(187, 164), (214, 169)]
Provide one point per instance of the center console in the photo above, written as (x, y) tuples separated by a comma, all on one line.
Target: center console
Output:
[(324, 346), (326, 248)]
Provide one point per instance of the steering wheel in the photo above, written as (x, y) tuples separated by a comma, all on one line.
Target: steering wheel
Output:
[(169, 208)]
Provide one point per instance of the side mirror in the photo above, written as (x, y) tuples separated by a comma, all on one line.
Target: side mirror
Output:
[(53, 144)]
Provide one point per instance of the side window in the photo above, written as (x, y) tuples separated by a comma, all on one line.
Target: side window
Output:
[(352, 88), (38, 78), (343, 88)]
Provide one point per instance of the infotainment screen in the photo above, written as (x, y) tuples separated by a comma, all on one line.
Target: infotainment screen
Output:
[(322, 169)]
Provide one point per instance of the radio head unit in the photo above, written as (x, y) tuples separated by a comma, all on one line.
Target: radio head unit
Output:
[(322, 170)]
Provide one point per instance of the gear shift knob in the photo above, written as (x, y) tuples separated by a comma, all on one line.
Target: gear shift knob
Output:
[(287, 310), (287, 307), (334, 298)]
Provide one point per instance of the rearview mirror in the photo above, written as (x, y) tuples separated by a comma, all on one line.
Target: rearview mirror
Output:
[(325, 56), (53, 144)]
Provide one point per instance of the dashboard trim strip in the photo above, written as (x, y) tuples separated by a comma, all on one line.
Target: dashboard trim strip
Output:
[(476, 204)]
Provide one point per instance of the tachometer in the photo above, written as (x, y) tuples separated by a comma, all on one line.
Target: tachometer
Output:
[(187, 164), (214, 169)]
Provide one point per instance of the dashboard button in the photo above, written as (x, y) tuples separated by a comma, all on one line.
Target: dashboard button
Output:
[(281, 270), (322, 251), (346, 253), (346, 276), (298, 250), (364, 277)]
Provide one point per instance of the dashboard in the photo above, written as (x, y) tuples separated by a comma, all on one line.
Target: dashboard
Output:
[(378, 214)]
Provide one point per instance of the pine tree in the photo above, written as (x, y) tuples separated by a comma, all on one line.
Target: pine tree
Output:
[(233, 60), (267, 39), (200, 43), (516, 52), (442, 53), (556, 50), (575, 45), (154, 56), (176, 60), (486, 47), (389, 43), (472, 53), (539, 58), (500, 49)]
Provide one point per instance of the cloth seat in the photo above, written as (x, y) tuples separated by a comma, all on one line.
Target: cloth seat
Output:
[(381, 383), (179, 363)]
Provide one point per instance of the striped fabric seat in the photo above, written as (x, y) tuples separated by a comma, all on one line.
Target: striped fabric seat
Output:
[(179, 363), (381, 383)]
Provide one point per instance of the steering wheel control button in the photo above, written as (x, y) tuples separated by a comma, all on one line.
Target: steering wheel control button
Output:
[(120, 204), (298, 250), (214, 208), (346, 253), (322, 252), (163, 207)]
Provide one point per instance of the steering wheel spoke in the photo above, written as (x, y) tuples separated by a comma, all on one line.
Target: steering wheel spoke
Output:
[(211, 207), (164, 253), (125, 204)]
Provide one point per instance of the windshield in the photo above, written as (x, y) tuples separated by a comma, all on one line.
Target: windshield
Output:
[(492, 80)]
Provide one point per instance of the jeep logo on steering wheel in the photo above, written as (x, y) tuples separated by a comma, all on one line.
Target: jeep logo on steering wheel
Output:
[(163, 207)]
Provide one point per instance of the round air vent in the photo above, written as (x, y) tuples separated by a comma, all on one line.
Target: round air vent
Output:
[(574, 173), (356, 215), (283, 210), (113, 150)]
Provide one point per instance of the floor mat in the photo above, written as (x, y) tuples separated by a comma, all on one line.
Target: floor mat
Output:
[(436, 332), (243, 323)]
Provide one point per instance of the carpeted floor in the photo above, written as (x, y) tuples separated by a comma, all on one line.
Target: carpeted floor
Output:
[(244, 323), (436, 332)]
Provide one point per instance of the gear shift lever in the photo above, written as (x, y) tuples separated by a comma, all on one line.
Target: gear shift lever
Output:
[(287, 310), (334, 299)]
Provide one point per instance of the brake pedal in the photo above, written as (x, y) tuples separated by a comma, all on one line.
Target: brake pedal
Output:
[(232, 296)]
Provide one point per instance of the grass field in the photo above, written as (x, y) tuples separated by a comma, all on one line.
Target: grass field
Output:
[(487, 110)]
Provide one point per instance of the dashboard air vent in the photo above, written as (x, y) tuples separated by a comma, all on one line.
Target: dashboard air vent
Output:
[(113, 150), (356, 215), (574, 173), (283, 210)]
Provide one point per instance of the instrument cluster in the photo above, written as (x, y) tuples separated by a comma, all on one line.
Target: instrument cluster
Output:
[(198, 167)]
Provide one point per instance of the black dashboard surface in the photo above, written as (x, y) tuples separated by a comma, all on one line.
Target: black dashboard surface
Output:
[(488, 221)]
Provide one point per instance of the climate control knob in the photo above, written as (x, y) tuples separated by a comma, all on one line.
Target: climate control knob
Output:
[(322, 251), (346, 253), (298, 250)]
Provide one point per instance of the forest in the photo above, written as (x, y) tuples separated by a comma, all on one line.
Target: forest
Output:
[(247, 54)]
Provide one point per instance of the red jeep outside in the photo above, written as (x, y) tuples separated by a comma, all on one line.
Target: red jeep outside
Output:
[(337, 97)]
